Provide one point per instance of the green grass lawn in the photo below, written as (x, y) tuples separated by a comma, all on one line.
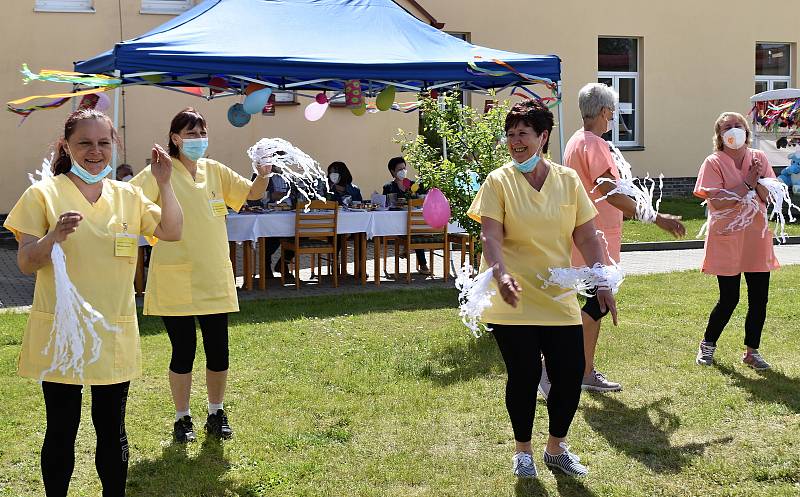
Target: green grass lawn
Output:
[(389, 395), (693, 217)]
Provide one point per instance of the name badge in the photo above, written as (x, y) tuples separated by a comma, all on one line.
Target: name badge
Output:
[(125, 245), (218, 207)]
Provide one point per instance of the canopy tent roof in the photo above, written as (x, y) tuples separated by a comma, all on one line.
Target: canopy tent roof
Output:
[(314, 44), (782, 94)]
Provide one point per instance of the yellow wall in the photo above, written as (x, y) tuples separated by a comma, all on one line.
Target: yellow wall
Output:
[(697, 62)]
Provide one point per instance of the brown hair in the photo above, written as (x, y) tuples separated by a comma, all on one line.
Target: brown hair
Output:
[(534, 114), (187, 118), (718, 145), (62, 162)]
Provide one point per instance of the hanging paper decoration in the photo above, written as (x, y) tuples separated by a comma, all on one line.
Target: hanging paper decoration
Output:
[(527, 78), (385, 98), (777, 115), (88, 101), (237, 115), (321, 98), (298, 169), (315, 110), (256, 101), (16, 106), (220, 83), (436, 209), (76, 78), (353, 96), (153, 78), (195, 90), (269, 107), (474, 296)]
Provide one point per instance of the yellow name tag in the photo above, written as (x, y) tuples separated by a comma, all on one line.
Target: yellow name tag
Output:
[(218, 207), (125, 245)]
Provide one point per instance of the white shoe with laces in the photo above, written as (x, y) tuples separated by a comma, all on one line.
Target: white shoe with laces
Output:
[(522, 464), (567, 462)]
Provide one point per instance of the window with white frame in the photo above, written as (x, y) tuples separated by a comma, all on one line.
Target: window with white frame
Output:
[(773, 66), (64, 6), (165, 6), (618, 66)]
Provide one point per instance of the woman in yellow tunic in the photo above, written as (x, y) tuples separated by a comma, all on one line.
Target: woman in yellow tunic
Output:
[(193, 277), (87, 215), (531, 211)]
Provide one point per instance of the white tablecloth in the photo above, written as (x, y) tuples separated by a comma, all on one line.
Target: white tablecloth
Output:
[(250, 227)]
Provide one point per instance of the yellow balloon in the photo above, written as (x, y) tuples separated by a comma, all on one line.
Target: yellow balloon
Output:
[(359, 111), (414, 188), (385, 98)]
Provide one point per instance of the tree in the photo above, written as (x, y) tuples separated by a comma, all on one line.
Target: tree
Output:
[(474, 145)]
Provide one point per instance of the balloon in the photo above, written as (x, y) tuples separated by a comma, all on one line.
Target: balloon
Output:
[(359, 111), (315, 111), (237, 116), (321, 98), (253, 87), (436, 209), (385, 98), (406, 183), (153, 78), (256, 101), (219, 82), (103, 102)]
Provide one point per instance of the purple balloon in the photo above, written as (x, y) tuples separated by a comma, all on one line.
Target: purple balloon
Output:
[(436, 209)]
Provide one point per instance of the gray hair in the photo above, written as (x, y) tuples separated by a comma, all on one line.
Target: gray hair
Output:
[(594, 97)]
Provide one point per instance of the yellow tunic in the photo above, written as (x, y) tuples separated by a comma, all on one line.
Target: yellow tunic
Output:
[(103, 279), (194, 275), (538, 228)]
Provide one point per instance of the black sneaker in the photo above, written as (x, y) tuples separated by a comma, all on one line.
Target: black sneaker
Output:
[(217, 425), (183, 431)]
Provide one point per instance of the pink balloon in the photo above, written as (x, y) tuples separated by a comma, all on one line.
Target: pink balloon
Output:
[(321, 98), (436, 209), (103, 102), (315, 111)]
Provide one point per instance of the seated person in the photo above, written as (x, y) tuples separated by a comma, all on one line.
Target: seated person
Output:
[(124, 172), (397, 168), (340, 183)]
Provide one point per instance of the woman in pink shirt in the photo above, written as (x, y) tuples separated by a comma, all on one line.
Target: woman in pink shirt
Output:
[(738, 240)]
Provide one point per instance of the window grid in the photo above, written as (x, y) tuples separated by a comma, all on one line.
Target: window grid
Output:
[(64, 6)]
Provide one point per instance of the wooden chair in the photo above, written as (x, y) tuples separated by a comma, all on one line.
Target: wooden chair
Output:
[(314, 233), (421, 236), (465, 243)]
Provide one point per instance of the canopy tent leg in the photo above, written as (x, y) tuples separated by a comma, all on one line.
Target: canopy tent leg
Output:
[(114, 157), (560, 125)]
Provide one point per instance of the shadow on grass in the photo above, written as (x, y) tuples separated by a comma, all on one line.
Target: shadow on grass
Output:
[(771, 386), (530, 487), (325, 306), (177, 474), (571, 487), (463, 361), (634, 432)]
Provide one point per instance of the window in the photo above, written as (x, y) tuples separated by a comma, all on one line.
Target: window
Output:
[(64, 6), (773, 66), (618, 66), (165, 6), (285, 97)]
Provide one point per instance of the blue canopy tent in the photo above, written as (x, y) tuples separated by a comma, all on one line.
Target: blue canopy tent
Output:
[(314, 45)]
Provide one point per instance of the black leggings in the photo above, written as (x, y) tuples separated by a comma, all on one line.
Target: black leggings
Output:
[(63, 405), (183, 337), (757, 297), (562, 347)]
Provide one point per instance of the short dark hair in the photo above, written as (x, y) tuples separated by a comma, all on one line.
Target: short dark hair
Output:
[(393, 162), (62, 162), (187, 118), (532, 113), (345, 178)]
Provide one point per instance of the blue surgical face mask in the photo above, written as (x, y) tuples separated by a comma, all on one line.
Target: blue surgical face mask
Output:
[(85, 175), (194, 148), (528, 165)]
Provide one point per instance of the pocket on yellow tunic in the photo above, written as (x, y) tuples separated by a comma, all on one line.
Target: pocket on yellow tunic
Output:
[(37, 335), (174, 284), (127, 357)]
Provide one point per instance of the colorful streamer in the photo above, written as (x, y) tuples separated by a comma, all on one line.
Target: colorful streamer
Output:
[(77, 78), (60, 98)]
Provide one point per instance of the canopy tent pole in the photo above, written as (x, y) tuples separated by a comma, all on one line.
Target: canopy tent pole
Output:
[(560, 125), (116, 126)]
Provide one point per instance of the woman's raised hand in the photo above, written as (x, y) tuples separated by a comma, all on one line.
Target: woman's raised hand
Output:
[(160, 164)]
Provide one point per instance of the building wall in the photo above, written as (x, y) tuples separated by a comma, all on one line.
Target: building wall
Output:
[(697, 62)]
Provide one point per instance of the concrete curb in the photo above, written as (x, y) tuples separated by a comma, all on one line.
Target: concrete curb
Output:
[(685, 245)]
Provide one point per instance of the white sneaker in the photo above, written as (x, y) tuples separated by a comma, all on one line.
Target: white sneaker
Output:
[(705, 354), (567, 462), (523, 466)]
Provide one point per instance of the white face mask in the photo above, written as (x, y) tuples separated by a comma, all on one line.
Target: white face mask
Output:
[(127, 178), (334, 177), (401, 174), (734, 138)]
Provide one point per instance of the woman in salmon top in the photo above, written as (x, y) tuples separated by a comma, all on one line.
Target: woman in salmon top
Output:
[(728, 180)]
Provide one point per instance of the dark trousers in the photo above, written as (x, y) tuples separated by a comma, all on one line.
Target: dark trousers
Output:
[(63, 405), (757, 297), (183, 337), (562, 347), (272, 245)]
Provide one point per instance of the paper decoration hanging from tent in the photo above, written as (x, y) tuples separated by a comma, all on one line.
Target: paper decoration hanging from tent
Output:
[(269, 108), (353, 95), (315, 110), (76, 78), (385, 98), (153, 78), (256, 101), (60, 99), (436, 209), (194, 90), (88, 101), (220, 83), (237, 116)]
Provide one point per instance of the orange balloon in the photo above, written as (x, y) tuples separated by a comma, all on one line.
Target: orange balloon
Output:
[(252, 87)]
